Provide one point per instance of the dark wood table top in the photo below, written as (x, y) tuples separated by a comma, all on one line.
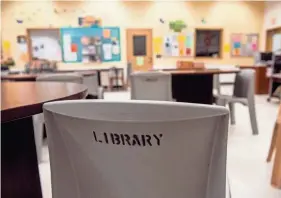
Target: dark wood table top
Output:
[(23, 99), (201, 71), (32, 77), (251, 66), (85, 69)]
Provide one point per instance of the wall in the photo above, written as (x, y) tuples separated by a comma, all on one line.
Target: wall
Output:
[(272, 11), (233, 17)]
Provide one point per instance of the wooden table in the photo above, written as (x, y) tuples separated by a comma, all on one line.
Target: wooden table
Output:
[(32, 77), (195, 86), (84, 72), (19, 101), (276, 146), (98, 70), (261, 80)]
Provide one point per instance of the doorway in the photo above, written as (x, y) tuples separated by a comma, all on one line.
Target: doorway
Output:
[(273, 39), (139, 49)]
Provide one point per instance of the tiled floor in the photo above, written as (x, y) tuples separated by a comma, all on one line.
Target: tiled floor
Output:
[(249, 174)]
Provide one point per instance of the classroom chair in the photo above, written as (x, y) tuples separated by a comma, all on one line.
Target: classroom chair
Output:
[(38, 120), (94, 90), (114, 77), (152, 85), (244, 93), (136, 149)]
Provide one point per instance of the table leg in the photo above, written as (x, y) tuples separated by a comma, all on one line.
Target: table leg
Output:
[(19, 167), (99, 77), (276, 172), (193, 88), (272, 144)]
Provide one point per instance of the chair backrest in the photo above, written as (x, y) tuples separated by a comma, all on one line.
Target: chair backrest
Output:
[(91, 81), (151, 86), (64, 77), (244, 85), (137, 149)]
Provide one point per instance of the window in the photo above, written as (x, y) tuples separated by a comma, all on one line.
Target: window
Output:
[(208, 43), (139, 45)]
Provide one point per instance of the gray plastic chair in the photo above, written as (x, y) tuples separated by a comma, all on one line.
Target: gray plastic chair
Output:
[(244, 93), (151, 86), (93, 86), (38, 120), (158, 149)]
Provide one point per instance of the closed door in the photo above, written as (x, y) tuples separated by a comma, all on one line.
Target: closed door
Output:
[(139, 49)]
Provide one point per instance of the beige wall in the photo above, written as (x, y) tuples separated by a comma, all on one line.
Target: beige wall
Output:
[(233, 17), (272, 10)]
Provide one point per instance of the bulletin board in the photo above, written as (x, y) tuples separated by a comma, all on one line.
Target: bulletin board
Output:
[(111, 43), (174, 45), (244, 45), (87, 44)]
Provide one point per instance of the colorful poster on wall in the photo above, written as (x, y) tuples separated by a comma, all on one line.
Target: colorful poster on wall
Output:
[(107, 51), (226, 48), (181, 41), (6, 45), (106, 33), (68, 49), (139, 61), (157, 45), (89, 21), (174, 44), (189, 43), (244, 44), (236, 40), (115, 46), (253, 43)]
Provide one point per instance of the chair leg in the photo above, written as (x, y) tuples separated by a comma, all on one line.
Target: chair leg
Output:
[(232, 112), (110, 84), (220, 102), (253, 118), (38, 125), (272, 144)]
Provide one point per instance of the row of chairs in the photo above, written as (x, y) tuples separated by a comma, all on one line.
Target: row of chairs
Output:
[(158, 86)]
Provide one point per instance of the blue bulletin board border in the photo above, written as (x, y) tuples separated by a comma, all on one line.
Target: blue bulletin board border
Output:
[(78, 32)]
